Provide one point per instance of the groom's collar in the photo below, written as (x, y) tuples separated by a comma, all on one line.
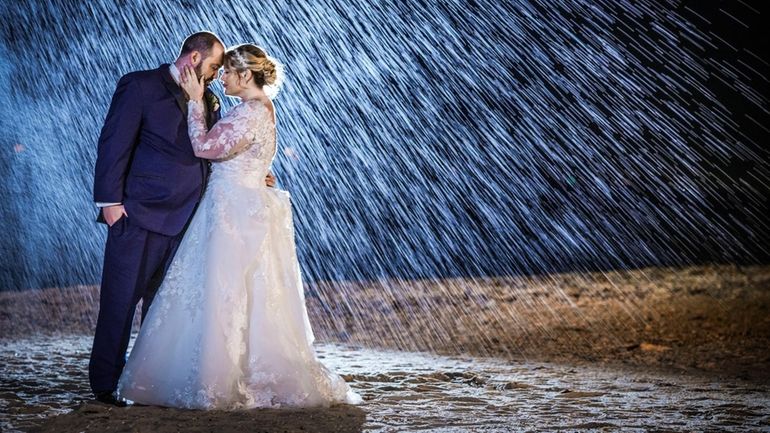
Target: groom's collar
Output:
[(173, 87), (174, 71), (165, 72)]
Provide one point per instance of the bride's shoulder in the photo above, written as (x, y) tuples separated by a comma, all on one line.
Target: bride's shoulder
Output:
[(247, 107), (260, 106), (257, 104)]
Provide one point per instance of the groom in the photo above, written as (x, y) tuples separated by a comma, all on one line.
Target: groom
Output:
[(148, 183)]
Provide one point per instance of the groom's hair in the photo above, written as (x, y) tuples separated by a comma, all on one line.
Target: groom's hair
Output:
[(202, 42)]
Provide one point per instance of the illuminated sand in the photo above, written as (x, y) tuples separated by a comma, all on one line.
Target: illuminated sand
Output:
[(671, 349), (709, 318), (403, 392)]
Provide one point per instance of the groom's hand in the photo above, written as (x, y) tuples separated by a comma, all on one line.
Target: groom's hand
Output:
[(113, 213), (270, 180)]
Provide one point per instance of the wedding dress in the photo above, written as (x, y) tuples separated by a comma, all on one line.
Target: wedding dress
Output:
[(228, 327)]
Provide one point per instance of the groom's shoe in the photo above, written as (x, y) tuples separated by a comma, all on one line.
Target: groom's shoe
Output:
[(108, 397)]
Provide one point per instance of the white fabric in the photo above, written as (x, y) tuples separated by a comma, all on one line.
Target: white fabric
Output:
[(174, 71), (231, 134), (229, 328)]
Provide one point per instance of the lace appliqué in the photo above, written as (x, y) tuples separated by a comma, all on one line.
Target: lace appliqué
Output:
[(233, 288), (230, 135)]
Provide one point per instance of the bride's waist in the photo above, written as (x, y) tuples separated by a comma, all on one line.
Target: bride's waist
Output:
[(240, 167), (244, 175)]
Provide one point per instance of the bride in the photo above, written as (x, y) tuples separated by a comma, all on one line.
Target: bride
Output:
[(228, 328)]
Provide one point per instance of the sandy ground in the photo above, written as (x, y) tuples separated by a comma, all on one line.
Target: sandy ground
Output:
[(403, 391), (672, 349), (712, 320)]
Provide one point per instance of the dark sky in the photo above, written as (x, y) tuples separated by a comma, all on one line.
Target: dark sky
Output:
[(484, 169)]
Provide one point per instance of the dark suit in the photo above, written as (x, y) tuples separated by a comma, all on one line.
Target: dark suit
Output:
[(146, 162)]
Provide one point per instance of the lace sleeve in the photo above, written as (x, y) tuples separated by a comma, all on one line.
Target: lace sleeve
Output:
[(228, 136)]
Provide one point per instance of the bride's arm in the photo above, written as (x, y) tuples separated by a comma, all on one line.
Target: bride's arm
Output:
[(229, 135)]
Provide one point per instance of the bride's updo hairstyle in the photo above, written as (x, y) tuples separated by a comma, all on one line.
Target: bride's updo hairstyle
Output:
[(266, 71)]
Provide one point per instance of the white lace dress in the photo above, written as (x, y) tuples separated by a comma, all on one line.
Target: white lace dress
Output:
[(228, 328)]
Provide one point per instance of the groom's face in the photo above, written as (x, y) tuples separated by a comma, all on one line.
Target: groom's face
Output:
[(210, 65)]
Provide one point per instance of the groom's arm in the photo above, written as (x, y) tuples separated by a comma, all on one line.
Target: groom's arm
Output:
[(117, 141)]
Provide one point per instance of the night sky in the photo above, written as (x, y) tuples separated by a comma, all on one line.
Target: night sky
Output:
[(422, 140)]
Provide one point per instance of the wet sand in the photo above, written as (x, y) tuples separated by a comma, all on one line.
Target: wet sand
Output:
[(670, 349), (403, 391), (704, 320)]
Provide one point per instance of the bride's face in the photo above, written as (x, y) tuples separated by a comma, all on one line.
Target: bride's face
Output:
[(230, 82)]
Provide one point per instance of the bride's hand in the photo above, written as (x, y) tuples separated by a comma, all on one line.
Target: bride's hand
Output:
[(270, 179), (193, 86)]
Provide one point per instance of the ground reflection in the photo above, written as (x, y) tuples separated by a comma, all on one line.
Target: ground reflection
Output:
[(46, 376)]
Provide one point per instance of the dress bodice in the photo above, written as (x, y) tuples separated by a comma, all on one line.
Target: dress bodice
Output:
[(242, 144)]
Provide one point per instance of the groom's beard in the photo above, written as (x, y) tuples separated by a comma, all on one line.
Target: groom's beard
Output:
[(199, 72)]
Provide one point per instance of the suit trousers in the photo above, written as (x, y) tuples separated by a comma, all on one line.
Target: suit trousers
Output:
[(135, 262)]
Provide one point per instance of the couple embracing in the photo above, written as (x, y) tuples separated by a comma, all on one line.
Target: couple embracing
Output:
[(197, 230)]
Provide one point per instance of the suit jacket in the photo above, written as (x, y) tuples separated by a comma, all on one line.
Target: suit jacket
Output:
[(145, 159)]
